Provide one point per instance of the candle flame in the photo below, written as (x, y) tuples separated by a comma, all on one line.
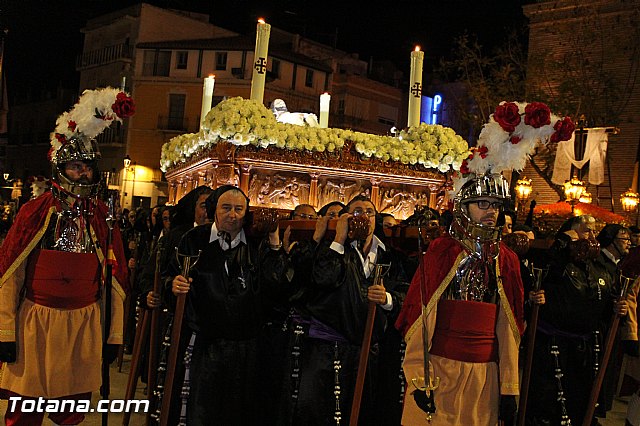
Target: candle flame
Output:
[(417, 48), (261, 21), (212, 76)]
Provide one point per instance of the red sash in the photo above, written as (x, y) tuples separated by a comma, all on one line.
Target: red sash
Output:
[(62, 280), (465, 331)]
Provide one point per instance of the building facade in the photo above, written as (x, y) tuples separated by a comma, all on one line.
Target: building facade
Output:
[(162, 56), (584, 57)]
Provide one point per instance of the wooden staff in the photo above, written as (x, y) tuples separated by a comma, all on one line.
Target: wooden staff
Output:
[(611, 337), (176, 328), (531, 340), (154, 338), (105, 388), (129, 299), (142, 334), (364, 353)]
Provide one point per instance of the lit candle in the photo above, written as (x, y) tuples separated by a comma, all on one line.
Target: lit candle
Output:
[(325, 100), (260, 60), (207, 96), (415, 87)]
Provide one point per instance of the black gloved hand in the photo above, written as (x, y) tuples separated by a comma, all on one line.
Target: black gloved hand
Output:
[(110, 353), (508, 409), (631, 348), (8, 352), (424, 402)]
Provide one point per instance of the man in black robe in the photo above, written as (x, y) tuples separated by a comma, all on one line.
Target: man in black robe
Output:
[(330, 320), (226, 304)]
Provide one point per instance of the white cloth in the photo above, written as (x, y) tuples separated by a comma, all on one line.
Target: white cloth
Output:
[(595, 152)]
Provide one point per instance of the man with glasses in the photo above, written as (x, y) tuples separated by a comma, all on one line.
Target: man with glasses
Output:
[(304, 212), (465, 305), (614, 246)]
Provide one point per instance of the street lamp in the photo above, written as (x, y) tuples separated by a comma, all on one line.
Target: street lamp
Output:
[(573, 189), (629, 201), (585, 198), (127, 163), (523, 189)]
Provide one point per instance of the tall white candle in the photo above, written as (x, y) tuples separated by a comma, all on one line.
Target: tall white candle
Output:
[(260, 61), (415, 87), (207, 97), (123, 84), (325, 101)]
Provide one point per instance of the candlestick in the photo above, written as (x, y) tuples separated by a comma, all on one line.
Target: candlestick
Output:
[(207, 97), (260, 61), (415, 87), (325, 101)]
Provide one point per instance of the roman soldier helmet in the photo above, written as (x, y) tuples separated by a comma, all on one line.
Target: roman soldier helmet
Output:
[(74, 137), (506, 142)]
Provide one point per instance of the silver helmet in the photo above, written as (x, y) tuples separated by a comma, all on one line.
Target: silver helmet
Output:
[(82, 149), (492, 185)]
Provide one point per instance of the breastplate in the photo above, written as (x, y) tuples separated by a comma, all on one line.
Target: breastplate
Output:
[(69, 231)]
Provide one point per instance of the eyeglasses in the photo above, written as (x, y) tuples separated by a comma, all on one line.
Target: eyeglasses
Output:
[(305, 216), (484, 204), (358, 211), (623, 239)]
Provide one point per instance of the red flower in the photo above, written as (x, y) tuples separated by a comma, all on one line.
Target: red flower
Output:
[(72, 125), (464, 168), (50, 153), (483, 151), (123, 106), (515, 139), (563, 130), (507, 116), (61, 138), (537, 114)]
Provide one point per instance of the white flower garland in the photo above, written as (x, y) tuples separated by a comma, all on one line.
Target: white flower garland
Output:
[(243, 122)]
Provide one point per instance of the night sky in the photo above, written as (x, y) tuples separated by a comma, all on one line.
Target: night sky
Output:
[(44, 37)]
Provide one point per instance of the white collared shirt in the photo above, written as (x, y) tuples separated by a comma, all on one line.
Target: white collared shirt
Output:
[(369, 262), (611, 257), (223, 244)]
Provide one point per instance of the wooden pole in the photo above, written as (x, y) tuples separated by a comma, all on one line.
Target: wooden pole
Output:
[(172, 359), (611, 337), (531, 341), (597, 383), (526, 372), (362, 365), (142, 334), (154, 337)]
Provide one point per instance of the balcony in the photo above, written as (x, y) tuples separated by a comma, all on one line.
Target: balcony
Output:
[(112, 136), (174, 124), (94, 58)]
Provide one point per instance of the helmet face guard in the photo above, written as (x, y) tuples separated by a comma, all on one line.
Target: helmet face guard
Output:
[(77, 149), (487, 185)]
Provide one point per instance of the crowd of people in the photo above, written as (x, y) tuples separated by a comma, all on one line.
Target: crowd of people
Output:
[(286, 327), (274, 322)]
